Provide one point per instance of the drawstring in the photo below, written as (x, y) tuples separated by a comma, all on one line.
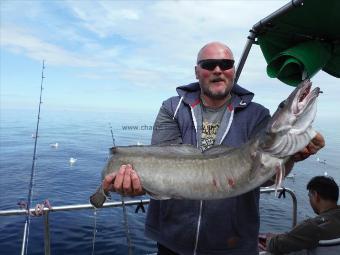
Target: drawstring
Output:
[(242, 103), (177, 108)]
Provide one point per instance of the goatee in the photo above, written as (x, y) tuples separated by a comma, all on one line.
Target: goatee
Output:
[(217, 96)]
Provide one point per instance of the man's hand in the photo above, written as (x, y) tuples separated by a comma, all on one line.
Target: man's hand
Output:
[(313, 147), (264, 240), (125, 182)]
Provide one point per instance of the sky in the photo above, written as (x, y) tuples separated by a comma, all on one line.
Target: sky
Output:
[(126, 56)]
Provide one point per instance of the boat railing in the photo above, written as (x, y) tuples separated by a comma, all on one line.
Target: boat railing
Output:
[(74, 207), (291, 193)]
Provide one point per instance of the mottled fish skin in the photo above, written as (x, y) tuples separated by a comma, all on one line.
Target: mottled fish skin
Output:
[(183, 172)]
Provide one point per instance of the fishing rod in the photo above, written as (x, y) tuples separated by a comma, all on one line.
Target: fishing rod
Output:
[(30, 190), (126, 222)]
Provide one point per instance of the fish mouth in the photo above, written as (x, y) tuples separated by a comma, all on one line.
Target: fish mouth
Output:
[(305, 97), (304, 93)]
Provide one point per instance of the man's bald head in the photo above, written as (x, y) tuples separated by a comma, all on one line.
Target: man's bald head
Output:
[(213, 48)]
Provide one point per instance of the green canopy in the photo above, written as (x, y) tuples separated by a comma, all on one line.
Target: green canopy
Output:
[(303, 41)]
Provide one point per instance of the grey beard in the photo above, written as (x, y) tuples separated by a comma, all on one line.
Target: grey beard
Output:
[(217, 96)]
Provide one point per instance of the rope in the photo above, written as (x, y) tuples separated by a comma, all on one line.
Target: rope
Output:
[(126, 222), (126, 225), (94, 230)]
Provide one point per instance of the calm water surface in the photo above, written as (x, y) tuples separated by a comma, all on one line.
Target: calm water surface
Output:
[(87, 137)]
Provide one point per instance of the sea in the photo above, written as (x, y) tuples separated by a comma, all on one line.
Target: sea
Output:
[(86, 137)]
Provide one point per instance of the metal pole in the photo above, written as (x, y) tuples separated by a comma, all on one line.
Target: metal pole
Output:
[(74, 207), (136, 202), (244, 56), (47, 238), (263, 23), (292, 194), (267, 21), (294, 216), (23, 238)]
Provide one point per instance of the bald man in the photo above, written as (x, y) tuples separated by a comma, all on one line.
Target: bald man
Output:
[(209, 112)]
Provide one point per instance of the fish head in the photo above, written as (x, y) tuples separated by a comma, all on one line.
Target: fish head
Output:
[(289, 130), (297, 112)]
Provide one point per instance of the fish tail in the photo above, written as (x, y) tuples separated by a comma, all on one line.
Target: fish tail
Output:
[(98, 198)]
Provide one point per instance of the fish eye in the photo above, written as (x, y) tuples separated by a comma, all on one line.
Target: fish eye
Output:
[(282, 104)]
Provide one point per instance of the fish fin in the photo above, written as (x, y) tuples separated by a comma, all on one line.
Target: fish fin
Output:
[(184, 149), (156, 150), (218, 149), (280, 173)]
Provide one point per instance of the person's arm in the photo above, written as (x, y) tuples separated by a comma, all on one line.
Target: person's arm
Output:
[(304, 236), (166, 130)]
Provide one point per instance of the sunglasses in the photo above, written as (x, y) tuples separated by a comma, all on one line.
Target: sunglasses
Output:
[(210, 64)]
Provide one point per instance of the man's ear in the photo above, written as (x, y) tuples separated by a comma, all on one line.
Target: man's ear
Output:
[(196, 72), (317, 196)]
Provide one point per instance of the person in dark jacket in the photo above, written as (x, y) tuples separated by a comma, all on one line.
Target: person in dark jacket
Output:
[(323, 196), (209, 112)]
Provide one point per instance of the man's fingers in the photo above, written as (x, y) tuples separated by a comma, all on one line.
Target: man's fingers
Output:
[(136, 185), (127, 180), (261, 247), (118, 183), (313, 147), (318, 141), (107, 182), (301, 155), (316, 144)]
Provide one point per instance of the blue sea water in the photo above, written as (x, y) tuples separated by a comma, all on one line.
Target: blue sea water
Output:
[(87, 137)]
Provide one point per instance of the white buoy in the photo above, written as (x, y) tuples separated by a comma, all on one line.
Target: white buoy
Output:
[(54, 145), (291, 175), (321, 161), (72, 161)]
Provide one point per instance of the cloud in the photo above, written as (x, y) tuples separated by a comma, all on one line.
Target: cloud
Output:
[(20, 42), (101, 17), (179, 27), (150, 46), (134, 42)]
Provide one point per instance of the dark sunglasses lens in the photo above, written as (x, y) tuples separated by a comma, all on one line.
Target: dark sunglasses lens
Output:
[(209, 65), (224, 64)]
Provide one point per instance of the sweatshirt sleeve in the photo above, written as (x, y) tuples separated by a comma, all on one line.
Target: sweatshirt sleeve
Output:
[(304, 236), (166, 130)]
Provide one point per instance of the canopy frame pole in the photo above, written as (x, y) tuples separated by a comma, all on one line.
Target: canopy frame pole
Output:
[(258, 27), (47, 238), (244, 56)]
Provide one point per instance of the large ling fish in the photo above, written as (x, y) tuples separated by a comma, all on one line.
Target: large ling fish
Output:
[(184, 172)]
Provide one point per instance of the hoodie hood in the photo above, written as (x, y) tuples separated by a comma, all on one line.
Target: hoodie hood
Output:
[(191, 94)]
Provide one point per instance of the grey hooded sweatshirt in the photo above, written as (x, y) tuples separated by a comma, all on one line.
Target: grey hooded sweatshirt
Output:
[(224, 226)]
